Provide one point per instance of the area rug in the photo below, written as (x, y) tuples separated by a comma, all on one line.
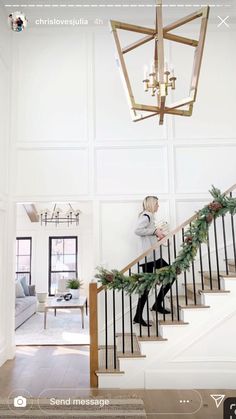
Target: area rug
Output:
[(92, 407), (63, 329)]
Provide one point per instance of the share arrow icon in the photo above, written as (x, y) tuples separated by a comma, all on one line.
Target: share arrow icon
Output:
[(218, 398)]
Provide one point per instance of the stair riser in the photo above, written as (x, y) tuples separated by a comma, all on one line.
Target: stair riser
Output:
[(230, 285), (171, 332), (216, 300), (194, 315)]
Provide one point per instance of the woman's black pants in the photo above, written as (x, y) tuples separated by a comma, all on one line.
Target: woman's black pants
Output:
[(148, 268)]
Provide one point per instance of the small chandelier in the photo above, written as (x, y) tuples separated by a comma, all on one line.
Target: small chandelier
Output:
[(58, 216), (160, 80)]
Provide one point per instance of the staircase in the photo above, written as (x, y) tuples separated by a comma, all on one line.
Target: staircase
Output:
[(190, 347)]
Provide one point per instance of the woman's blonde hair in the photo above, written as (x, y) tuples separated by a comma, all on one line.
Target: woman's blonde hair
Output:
[(149, 203)]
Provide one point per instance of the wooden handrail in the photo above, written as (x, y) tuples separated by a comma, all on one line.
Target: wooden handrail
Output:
[(160, 242), (93, 326)]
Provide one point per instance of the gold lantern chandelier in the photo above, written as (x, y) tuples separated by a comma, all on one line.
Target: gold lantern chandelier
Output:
[(160, 79)]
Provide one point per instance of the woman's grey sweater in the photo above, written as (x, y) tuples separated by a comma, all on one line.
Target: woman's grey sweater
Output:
[(145, 229)]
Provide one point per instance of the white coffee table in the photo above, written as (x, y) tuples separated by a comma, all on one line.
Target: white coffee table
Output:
[(52, 303)]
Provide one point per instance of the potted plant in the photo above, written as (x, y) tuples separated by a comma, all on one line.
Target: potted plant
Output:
[(74, 285)]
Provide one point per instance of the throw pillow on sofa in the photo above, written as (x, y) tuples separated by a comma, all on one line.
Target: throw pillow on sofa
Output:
[(25, 286), (19, 290), (32, 290)]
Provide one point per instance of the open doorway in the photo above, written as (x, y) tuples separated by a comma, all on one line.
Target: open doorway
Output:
[(53, 267)]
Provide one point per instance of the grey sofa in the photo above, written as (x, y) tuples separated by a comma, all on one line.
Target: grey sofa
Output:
[(25, 307)]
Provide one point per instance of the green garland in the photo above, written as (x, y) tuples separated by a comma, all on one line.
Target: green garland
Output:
[(193, 237)]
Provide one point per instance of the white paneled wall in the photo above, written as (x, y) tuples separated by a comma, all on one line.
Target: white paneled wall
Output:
[(52, 94), (213, 117), (6, 250), (117, 165), (52, 171), (74, 139), (197, 163)]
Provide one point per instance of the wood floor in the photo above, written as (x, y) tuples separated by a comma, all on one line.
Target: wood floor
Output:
[(36, 368), (64, 371)]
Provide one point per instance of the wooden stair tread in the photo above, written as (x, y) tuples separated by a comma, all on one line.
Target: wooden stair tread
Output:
[(183, 305), (130, 355), (214, 291), (108, 371), (192, 306), (207, 289), (214, 275), (151, 338), (172, 322)]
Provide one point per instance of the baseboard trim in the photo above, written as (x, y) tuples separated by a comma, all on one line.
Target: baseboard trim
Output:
[(189, 378), (6, 353)]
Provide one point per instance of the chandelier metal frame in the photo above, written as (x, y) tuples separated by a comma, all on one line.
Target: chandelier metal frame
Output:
[(158, 34), (58, 217)]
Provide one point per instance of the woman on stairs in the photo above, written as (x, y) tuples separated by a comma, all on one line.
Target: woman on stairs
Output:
[(149, 235)]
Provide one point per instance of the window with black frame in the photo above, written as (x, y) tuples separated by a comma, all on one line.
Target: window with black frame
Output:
[(63, 261), (23, 258)]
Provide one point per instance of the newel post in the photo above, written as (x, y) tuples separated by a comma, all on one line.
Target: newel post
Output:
[(93, 325)]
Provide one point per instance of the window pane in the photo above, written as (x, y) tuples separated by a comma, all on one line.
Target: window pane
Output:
[(26, 275), (24, 247), (57, 279), (57, 263), (70, 262), (57, 246), (23, 264), (69, 246)]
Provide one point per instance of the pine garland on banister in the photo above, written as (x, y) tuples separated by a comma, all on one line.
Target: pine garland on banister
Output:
[(193, 237)]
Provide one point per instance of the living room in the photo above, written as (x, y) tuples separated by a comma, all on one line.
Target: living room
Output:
[(48, 255)]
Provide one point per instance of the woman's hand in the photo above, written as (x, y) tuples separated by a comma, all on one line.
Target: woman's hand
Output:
[(159, 233)]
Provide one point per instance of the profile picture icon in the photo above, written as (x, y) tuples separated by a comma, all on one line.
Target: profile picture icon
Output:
[(17, 21), (20, 401)]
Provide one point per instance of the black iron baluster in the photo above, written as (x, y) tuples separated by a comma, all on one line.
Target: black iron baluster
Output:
[(176, 280), (185, 276), (171, 292), (148, 323), (162, 288), (156, 313), (114, 326), (139, 314), (106, 337), (225, 246), (147, 299), (123, 320), (131, 321), (233, 237), (209, 259), (217, 254), (201, 267), (148, 327), (194, 284)]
